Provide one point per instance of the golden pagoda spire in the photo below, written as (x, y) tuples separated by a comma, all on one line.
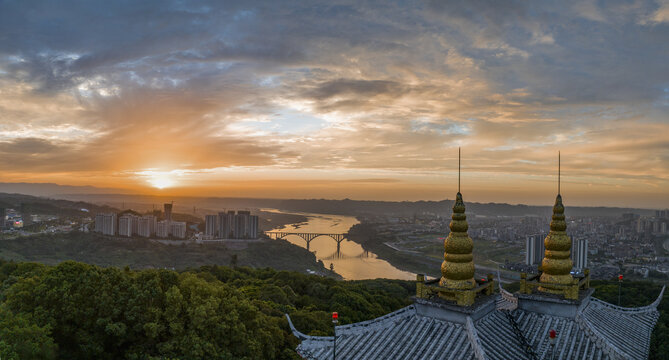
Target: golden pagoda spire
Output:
[(457, 270), (557, 264)]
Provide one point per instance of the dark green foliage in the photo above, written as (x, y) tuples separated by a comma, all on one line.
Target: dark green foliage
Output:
[(22, 338), (79, 311)]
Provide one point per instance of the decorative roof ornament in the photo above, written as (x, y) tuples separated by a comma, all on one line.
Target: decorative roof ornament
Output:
[(557, 264), (457, 270)]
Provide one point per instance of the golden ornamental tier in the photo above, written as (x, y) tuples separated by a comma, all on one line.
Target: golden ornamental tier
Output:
[(457, 270), (557, 264)]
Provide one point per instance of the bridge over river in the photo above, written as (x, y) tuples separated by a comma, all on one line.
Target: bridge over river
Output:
[(324, 235), (308, 237)]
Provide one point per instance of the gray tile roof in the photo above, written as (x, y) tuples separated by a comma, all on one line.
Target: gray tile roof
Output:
[(598, 331)]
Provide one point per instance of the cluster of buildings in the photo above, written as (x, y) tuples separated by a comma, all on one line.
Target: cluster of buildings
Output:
[(145, 226), (535, 249), (11, 219), (654, 225), (231, 225), (606, 244)]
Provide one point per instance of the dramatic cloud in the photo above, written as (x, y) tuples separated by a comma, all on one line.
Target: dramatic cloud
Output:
[(339, 99)]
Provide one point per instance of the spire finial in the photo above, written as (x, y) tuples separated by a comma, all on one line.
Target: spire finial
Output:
[(458, 169), (557, 264), (457, 270)]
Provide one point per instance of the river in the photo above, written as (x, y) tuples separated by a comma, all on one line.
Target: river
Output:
[(352, 262)]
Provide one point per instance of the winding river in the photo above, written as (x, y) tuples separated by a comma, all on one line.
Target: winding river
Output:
[(351, 261)]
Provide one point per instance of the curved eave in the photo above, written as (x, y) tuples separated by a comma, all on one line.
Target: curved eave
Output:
[(651, 307), (302, 336), (624, 332)]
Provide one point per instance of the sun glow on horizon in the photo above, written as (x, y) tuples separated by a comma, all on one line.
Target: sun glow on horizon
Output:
[(159, 179), (161, 182)]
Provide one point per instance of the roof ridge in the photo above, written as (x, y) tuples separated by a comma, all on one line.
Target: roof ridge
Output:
[(396, 313), (472, 334)]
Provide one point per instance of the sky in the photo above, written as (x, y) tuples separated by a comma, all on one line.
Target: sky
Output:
[(340, 99)]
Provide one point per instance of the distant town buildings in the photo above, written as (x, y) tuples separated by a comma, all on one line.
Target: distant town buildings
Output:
[(178, 229), (130, 225), (147, 226), (106, 224), (168, 212), (163, 229), (210, 228), (534, 249), (11, 219), (232, 225), (657, 225), (579, 253)]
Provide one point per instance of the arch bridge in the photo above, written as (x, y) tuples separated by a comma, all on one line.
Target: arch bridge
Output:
[(308, 237)]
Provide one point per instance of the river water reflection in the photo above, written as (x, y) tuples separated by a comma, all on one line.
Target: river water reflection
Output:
[(351, 261)]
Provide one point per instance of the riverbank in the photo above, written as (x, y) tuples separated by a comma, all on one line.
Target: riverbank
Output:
[(365, 235), (416, 262), (142, 254), (273, 220)]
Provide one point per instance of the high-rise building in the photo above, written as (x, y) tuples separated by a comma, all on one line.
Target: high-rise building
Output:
[(534, 249), (641, 225), (226, 228), (125, 225), (168, 211), (253, 227), (99, 222), (135, 224), (239, 225), (106, 224), (211, 225), (242, 224), (178, 229), (656, 226), (110, 225), (147, 226), (163, 229), (579, 253)]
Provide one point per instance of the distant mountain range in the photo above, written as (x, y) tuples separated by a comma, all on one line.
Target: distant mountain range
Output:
[(121, 199), (51, 189)]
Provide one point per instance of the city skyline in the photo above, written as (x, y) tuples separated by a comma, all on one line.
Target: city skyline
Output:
[(368, 101)]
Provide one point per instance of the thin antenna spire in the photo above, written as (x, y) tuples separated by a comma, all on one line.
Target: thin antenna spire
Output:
[(458, 169), (558, 172)]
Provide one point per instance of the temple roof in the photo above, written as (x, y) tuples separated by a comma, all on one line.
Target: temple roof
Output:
[(599, 330)]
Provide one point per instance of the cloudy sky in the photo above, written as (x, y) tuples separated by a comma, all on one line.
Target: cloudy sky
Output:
[(335, 99)]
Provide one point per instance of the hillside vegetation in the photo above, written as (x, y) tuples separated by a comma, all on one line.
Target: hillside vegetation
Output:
[(79, 311), (141, 253)]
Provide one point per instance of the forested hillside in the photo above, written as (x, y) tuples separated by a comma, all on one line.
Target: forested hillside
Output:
[(79, 311)]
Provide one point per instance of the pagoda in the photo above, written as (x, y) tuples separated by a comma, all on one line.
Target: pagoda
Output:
[(552, 316)]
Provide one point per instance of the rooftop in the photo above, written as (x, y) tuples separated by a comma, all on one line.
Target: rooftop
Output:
[(598, 330)]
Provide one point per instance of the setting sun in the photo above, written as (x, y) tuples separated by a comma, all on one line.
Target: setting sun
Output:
[(160, 180)]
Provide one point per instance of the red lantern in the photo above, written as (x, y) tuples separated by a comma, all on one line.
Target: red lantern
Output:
[(620, 277), (335, 316), (552, 334)]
